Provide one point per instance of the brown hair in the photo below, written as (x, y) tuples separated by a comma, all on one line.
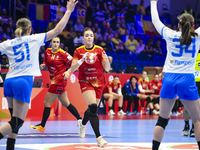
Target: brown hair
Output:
[(186, 21), (86, 29), (23, 25)]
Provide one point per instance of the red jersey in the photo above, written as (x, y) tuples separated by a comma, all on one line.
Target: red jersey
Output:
[(56, 63), (114, 87), (91, 70), (158, 84), (144, 83)]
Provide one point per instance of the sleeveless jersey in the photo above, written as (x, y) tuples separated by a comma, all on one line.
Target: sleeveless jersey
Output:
[(23, 55)]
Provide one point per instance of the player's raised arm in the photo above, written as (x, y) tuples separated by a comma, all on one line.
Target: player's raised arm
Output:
[(155, 17), (62, 23)]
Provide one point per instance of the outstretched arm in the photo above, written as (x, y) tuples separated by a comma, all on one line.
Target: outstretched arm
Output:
[(155, 18), (62, 23)]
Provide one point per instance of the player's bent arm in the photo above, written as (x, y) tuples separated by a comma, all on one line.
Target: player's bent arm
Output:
[(111, 92), (119, 91), (141, 89), (155, 17)]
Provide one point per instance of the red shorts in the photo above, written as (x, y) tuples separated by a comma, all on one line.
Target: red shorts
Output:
[(57, 89), (87, 86)]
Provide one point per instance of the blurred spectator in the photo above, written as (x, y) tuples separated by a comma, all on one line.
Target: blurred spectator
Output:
[(148, 10), (140, 47), (189, 10), (70, 24), (141, 8), (20, 10), (96, 25), (78, 26), (175, 28), (54, 2), (107, 4), (8, 33), (3, 24), (127, 36), (81, 4), (120, 11), (62, 46), (66, 49), (101, 43), (4, 38), (131, 44), (78, 40), (4, 15), (98, 34), (11, 25), (109, 44), (52, 25), (70, 40), (41, 54), (12, 35), (91, 11), (112, 19), (89, 24), (123, 31), (157, 47), (100, 16), (149, 47), (1, 33), (109, 32), (130, 13), (103, 27), (117, 42)]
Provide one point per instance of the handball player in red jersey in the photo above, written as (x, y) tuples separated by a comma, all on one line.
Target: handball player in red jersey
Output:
[(90, 60), (56, 61)]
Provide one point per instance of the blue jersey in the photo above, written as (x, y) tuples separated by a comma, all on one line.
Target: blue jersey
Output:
[(23, 55)]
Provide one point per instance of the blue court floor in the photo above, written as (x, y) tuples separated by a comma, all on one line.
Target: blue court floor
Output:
[(120, 134)]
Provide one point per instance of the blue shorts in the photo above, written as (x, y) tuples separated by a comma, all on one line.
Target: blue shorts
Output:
[(183, 85), (19, 88)]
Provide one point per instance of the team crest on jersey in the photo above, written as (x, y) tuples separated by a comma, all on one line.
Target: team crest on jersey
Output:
[(91, 58), (171, 60), (53, 56)]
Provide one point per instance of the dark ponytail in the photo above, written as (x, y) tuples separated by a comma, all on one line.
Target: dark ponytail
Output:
[(186, 21)]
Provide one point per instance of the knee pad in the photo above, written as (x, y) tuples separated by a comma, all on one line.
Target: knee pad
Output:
[(15, 124), (156, 100), (148, 99), (93, 110), (162, 122)]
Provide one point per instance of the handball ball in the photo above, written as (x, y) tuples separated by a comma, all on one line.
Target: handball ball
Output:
[(91, 58)]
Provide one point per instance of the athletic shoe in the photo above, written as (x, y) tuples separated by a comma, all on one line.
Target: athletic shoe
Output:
[(174, 114), (138, 114), (121, 112), (185, 131), (38, 128), (111, 112), (82, 128), (155, 112), (101, 142), (129, 113), (192, 133)]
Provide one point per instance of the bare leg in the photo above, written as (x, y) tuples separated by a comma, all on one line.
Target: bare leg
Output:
[(166, 106), (109, 97)]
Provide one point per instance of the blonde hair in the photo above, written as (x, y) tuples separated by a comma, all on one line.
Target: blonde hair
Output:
[(23, 25)]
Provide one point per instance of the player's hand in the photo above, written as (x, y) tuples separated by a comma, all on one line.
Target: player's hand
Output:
[(71, 5), (66, 75), (105, 57), (42, 66), (85, 55)]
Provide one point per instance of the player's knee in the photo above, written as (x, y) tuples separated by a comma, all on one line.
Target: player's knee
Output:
[(162, 122), (148, 99), (93, 110), (156, 100), (111, 96), (15, 124)]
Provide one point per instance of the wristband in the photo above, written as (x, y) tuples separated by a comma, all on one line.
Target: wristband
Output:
[(80, 62)]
